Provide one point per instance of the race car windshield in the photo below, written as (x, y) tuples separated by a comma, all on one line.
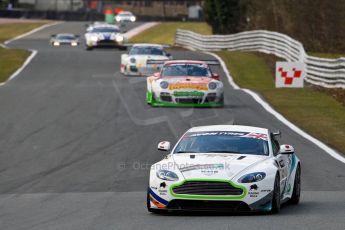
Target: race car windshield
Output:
[(146, 51), (65, 37), (195, 70), (105, 30), (125, 14), (223, 142)]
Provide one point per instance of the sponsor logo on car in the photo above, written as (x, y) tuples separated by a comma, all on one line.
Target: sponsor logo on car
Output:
[(188, 94), (197, 86)]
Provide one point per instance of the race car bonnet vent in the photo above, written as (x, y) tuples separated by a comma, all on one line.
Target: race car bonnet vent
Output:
[(241, 157)]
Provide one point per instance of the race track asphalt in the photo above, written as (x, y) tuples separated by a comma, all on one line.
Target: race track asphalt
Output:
[(77, 140)]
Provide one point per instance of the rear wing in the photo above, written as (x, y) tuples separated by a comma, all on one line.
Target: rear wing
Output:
[(153, 66), (277, 134), (209, 62), (155, 62)]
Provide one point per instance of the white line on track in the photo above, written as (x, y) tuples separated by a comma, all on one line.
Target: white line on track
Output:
[(277, 115), (129, 34), (31, 32), (135, 31), (33, 52)]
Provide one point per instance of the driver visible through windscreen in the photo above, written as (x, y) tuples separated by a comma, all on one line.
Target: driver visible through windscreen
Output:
[(65, 37), (194, 70), (146, 51), (105, 30), (223, 142)]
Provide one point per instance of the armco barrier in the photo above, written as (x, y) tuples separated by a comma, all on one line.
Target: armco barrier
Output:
[(329, 73)]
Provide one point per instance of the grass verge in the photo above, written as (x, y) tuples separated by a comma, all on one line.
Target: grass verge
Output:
[(318, 113), (12, 59), (11, 30), (164, 33)]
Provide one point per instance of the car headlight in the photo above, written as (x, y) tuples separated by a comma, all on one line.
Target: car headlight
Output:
[(133, 18), (167, 175), (117, 19), (252, 177), (94, 38), (132, 60), (119, 38), (56, 43), (74, 43), (212, 85), (164, 84)]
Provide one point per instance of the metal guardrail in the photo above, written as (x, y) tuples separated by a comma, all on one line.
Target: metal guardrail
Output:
[(329, 73)]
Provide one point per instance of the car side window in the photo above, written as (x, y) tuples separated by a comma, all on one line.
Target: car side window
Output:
[(275, 146)]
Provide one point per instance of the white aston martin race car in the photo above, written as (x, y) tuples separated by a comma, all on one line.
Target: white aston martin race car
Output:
[(135, 62), (104, 35), (225, 168)]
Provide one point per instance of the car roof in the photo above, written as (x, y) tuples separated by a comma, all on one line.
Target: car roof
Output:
[(185, 62), (233, 128)]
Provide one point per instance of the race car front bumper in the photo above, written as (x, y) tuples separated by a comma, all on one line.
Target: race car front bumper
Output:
[(243, 199), (209, 99), (139, 70), (104, 43)]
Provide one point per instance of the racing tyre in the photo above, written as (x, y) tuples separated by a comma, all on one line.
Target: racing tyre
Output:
[(276, 196), (296, 187), (153, 210)]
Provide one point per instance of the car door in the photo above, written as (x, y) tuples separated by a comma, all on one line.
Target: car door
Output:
[(283, 163)]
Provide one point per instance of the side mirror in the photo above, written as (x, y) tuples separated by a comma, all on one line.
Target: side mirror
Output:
[(164, 146), (286, 149), (157, 75), (216, 76)]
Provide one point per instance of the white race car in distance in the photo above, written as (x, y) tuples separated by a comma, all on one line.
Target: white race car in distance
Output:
[(227, 168), (104, 36), (135, 62), (64, 39), (125, 16)]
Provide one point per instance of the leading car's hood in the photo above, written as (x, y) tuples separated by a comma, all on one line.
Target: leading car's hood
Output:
[(217, 166)]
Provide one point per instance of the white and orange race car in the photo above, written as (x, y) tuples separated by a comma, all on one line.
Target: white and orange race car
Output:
[(185, 83)]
